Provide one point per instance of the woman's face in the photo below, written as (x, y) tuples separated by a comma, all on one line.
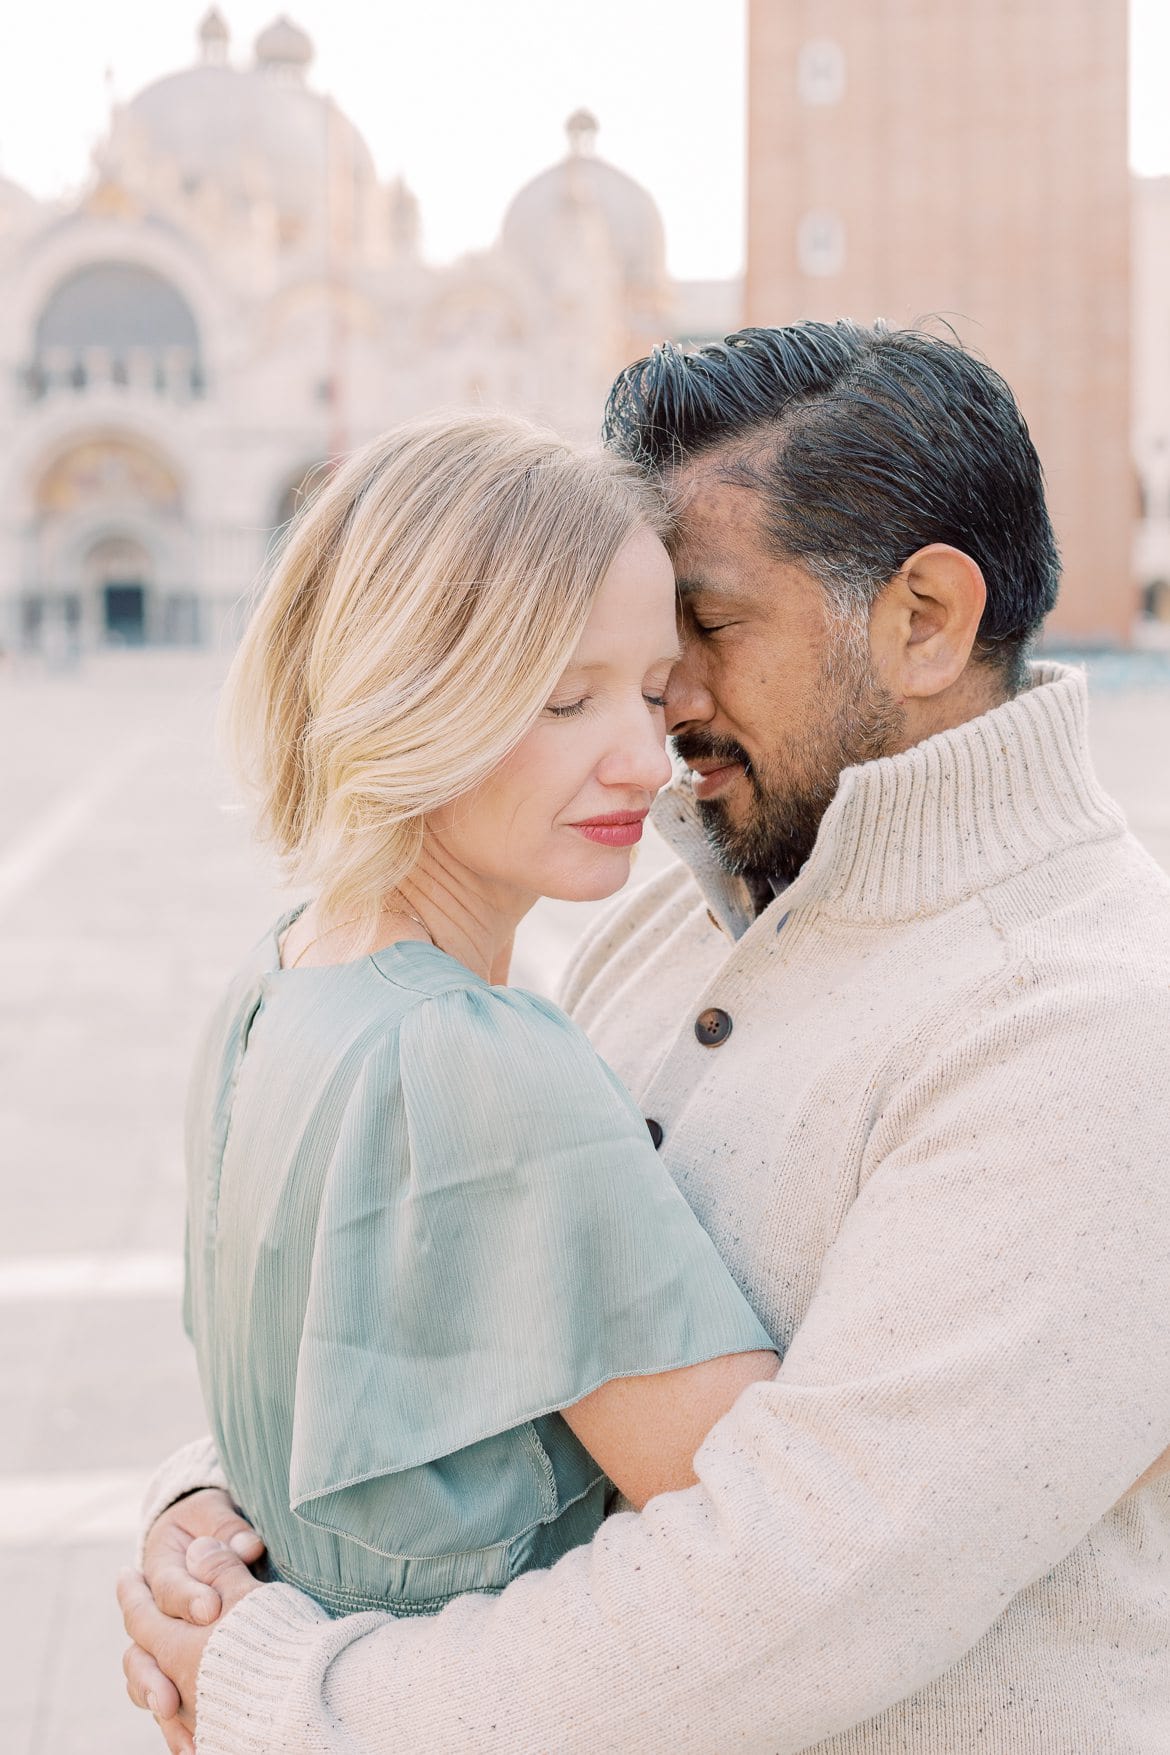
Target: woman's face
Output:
[(561, 815)]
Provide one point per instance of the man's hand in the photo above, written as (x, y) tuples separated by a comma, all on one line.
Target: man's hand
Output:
[(175, 1590), (162, 1663)]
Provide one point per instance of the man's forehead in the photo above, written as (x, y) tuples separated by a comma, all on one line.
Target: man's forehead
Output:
[(718, 541), (707, 489)]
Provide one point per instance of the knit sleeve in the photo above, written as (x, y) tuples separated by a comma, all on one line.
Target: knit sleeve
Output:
[(981, 1375)]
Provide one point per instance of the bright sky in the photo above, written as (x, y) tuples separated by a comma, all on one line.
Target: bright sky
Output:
[(467, 98)]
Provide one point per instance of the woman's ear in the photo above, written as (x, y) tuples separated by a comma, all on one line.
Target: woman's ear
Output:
[(924, 623)]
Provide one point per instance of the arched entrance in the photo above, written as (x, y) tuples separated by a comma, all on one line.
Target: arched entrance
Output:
[(111, 546), (118, 573)]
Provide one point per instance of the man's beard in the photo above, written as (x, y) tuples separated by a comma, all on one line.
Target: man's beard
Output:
[(793, 788)]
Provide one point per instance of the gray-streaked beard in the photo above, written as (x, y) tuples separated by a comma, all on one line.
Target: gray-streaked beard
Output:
[(792, 790)]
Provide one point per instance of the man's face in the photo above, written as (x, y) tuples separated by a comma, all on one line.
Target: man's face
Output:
[(774, 695)]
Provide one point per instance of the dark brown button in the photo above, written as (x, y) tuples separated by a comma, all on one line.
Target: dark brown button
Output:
[(712, 1027), (654, 1129)]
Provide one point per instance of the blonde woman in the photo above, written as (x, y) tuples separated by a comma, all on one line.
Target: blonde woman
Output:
[(442, 1291)]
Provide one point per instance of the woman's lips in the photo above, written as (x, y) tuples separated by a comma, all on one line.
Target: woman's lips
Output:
[(708, 780), (620, 830)]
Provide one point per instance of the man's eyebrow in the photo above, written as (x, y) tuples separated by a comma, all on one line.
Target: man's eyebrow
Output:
[(691, 587)]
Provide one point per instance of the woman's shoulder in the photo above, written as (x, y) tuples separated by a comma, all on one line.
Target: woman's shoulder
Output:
[(461, 1013), (494, 1056)]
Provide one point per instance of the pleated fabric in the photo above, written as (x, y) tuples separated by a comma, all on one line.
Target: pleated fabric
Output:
[(424, 1216)]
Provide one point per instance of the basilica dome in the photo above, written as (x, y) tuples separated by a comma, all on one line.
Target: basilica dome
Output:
[(582, 181), (255, 133)]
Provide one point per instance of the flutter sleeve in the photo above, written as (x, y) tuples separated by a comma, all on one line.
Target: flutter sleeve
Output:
[(498, 1238)]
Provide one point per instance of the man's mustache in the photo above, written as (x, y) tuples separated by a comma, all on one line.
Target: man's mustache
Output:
[(698, 746)]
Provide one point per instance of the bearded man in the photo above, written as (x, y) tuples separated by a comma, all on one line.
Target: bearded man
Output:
[(898, 1021)]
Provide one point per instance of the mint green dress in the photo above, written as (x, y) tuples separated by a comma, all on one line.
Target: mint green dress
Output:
[(423, 1216)]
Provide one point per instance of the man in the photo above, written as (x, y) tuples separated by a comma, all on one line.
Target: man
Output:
[(899, 1021)]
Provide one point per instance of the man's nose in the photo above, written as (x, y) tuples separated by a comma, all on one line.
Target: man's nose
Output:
[(688, 699)]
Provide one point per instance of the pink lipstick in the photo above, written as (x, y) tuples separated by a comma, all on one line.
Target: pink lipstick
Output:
[(621, 828)]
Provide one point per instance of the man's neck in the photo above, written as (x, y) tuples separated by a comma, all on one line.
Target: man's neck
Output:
[(980, 689)]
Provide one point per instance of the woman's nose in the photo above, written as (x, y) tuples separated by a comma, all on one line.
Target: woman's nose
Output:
[(638, 758)]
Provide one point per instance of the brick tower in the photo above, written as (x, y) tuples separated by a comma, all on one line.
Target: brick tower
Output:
[(915, 156)]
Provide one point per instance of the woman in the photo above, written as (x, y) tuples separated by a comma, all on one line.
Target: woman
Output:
[(441, 1289)]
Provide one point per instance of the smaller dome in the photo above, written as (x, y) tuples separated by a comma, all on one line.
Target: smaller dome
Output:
[(582, 182), (284, 46)]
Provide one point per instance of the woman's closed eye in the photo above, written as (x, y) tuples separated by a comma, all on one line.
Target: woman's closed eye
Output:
[(569, 709)]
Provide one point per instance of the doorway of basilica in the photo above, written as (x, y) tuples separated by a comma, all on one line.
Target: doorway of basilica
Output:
[(118, 585), (111, 537)]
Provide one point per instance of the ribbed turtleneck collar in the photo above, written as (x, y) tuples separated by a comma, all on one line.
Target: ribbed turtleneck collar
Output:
[(915, 833)]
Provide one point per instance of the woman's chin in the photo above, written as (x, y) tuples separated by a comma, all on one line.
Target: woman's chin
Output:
[(605, 878)]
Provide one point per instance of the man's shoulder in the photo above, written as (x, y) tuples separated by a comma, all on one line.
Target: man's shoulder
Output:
[(635, 924), (1098, 906)]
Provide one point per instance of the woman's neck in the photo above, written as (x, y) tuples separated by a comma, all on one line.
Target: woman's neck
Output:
[(467, 916), (457, 911)]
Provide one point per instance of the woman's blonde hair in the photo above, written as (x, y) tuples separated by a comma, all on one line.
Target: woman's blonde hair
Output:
[(422, 607)]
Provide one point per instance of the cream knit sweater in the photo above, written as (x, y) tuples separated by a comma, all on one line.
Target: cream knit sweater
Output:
[(935, 1150)]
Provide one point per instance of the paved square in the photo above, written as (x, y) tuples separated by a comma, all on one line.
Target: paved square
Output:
[(129, 887)]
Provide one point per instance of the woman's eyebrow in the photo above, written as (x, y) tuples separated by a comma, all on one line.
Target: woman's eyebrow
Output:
[(591, 667)]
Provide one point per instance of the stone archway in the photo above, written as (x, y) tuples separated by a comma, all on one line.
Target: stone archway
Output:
[(111, 548), (119, 580)]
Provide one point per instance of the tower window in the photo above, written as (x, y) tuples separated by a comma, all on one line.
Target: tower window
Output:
[(820, 244), (820, 72)]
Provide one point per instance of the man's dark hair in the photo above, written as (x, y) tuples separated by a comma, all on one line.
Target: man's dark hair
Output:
[(866, 444)]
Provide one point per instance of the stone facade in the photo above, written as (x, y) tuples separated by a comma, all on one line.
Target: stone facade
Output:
[(237, 298), (916, 156)]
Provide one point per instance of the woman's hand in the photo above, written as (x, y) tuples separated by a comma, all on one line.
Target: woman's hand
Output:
[(175, 1590), (162, 1664)]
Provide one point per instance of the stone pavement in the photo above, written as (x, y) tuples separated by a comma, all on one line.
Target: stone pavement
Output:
[(128, 889)]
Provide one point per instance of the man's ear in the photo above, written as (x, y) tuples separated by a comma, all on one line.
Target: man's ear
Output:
[(924, 623)]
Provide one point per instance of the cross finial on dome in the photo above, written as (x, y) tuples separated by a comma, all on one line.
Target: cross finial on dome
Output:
[(582, 129), (213, 37)]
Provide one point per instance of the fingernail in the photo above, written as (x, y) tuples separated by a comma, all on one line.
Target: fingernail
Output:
[(204, 1610), (152, 1701), (242, 1543)]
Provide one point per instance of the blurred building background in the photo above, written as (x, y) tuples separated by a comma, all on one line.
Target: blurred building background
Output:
[(236, 298)]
